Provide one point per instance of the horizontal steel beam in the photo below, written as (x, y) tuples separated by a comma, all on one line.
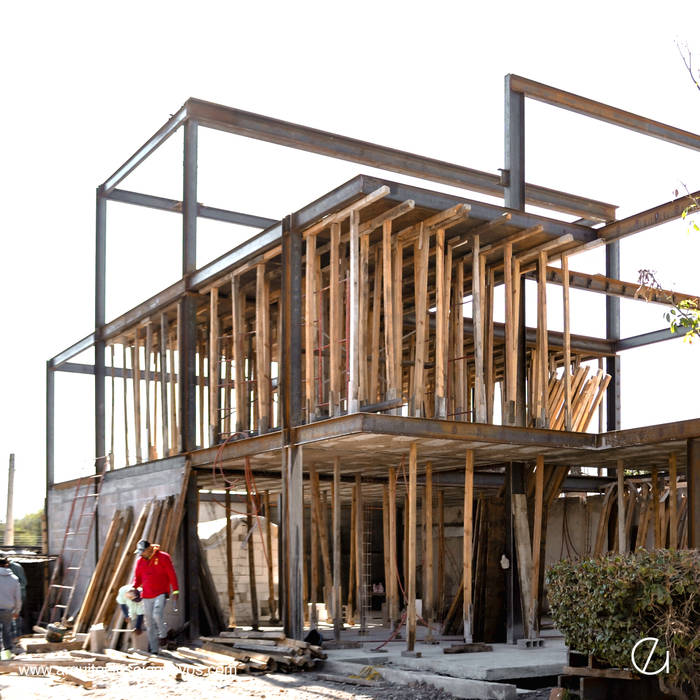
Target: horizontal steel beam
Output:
[(119, 372), (603, 112), (638, 341), (85, 344), (612, 287), (175, 206), (157, 140), (305, 138), (670, 211), (495, 480), (74, 368)]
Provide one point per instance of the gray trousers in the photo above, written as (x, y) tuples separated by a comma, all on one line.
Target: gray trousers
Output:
[(6, 624), (154, 609)]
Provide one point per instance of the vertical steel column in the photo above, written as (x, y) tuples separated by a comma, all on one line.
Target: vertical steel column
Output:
[(50, 411), (612, 332), (291, 524), (693, 478), (192, 555), (189, 199), (100, 296), (514, 196)]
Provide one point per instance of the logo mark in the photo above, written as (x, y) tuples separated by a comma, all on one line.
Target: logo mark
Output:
[(664, 669)]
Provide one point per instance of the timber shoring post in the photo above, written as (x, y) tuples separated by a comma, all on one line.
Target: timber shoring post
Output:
[(272, 609), (337, 592), (393, 585), (467, 545), (428, 602), (229, 560), (672, 502), (411, 567), (252, 582), (621, 538), (361, 592), (693, 480)]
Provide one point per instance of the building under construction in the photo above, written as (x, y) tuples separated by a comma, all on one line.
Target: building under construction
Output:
[(331, 414)]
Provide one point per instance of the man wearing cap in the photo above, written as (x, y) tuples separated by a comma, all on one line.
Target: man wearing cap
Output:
[(156, 578), (10, 601)]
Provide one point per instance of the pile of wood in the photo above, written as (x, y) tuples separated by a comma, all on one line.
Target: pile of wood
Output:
[(586, 396), (265, 651)]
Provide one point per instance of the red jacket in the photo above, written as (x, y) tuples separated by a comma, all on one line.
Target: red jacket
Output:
[(155, 575)]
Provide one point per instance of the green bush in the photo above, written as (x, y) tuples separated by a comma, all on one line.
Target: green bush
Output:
[(604, 606)]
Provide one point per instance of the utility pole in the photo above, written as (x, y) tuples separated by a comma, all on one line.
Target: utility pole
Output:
[(10, 518)]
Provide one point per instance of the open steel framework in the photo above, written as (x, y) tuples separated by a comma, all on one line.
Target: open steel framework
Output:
[(596, 225)]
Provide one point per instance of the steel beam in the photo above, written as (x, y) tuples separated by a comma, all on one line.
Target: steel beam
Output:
[(157, 140), (305, 138), (100, 297), (693, 479), (661, 214), (606, 113), (81, 346), (638, 341), (50, 435), (203, 212), (514, 147), (189, 200)]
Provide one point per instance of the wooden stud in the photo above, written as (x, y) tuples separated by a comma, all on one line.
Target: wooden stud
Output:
[(262, 348), (385, 548), (441, 553), (156, 379), (361, 592), (543, 349), (363, 322), (621, 538), (271, 603), (411, 565), (442, 300), (164, 382), (136, 371), (323, 536), (239, 340), (521, 531), (252, 582), (125, 402), (488, 333), (174, 435), (353, 346), (375, 328), (229, 560), (477, 315), (397, 322), (337, 586), (147, 373), (467, 546), (421, 253), (314, 537), (534, 625), (655, 507), (310, 328), (351, 572), (428, 598), (336, 312), (392, 583), (672, 500), (111, 417), (460, 361), (389, 331), (567, 343), (226, 383), (511, 332)]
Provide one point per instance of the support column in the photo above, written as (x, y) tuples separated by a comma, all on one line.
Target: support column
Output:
[(354, 313), (428, 561), (192, 554), (411, 564), (100, 297), (621, 539), (293, 532), (612, 332), (693, 479), (467, 545), (50, 413), (514, 148), (337, 586), (360, 588), (672, 501), (514, 617), (392, 584)]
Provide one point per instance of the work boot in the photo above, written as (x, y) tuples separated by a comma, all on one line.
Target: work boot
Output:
[(163, 643)]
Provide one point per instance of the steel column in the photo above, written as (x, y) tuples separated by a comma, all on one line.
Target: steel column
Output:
[(612, 332), (100, 296), (514, 148), (189, 200), (192, 556), (50, 411), (693, 478)]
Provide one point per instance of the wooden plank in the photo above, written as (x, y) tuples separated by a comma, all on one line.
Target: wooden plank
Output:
[(229, 560), (397, 322), (239, 342), (363, 323), (534, 626), (460, 361), (411, 564), (351, 572), (442, 300), (147, 373), (524, 553), (385, 548), (373, 392), (136, 380), (543, 349), (226, 385), (323, 536), (262, 347), (655, 506), (172, 342), (336, 312), (214, 366), (467, 547), (477, 316), (511, 359), (361, 591), (389, 332), (164, 383), (337, 585), (125, 406), (567, 342), (621, 538), (672, 500), (488, 337), (428, 594), (421, 253), (252, 581), (392, 583), (441, 553), (353, 345), (310, 328)]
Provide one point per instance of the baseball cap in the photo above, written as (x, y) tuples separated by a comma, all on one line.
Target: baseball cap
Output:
[(142, 546)]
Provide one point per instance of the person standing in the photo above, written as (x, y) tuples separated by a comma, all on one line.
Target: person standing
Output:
[(10, 601), (155, 576), (18, 570)]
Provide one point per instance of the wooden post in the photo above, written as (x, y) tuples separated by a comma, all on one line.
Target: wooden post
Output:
[(389, 331), (421, 253), (353, 345), (173, 393), (351, 572), (376, 327), (363, 320), (488, 336), (442, 299), (112, 412), (477, 315), (441, 553), (164, 382), (543, 348), (310, 327), (385, 550), (397, 323), (460, 361), (336, 312), (251, 560), (511, 335), (337, 597), (9, 538), (136, 379), (411, 566), (271, 605), (534, 626), (467, 545), (393, 586), (126, 409), (239, 339), (567, 343), (524, 554), (621, 537), (428, 601), (201, 351), (315, 532), (361, 592), (672, 502), (655, 506), (147, 372), (229, 560), (214, 366), (322, 536), (262, 348)]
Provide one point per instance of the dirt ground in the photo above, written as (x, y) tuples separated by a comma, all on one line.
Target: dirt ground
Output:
[(156, 684)]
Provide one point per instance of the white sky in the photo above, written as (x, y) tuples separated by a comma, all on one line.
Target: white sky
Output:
[(85, 84)]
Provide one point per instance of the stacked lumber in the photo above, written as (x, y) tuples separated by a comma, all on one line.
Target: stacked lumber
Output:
[(265, 651), (586, 396)]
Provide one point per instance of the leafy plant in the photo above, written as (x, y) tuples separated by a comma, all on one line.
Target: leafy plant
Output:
[(604, 606)]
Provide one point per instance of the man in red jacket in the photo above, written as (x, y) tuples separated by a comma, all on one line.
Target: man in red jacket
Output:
[(156, 577)]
